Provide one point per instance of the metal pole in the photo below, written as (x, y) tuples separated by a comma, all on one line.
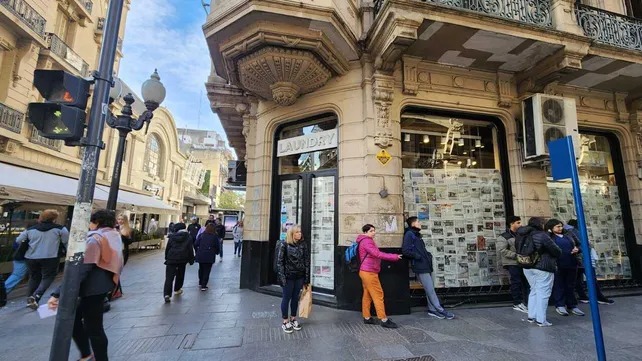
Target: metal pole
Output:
[(588, 267), (70, 287), (118, 166)]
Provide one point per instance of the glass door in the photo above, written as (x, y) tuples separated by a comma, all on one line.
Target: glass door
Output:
[(322, 227), (291, 204)]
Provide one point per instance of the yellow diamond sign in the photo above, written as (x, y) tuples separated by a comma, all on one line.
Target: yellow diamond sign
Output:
[(383, 156)]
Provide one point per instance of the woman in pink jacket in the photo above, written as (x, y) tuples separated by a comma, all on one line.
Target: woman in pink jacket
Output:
[(370, 257)]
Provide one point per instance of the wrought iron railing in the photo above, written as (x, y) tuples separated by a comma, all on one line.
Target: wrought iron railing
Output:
[(58, 47), (535, 12), (10, 118), (36, 138), (27, 15), (610, 28), (88, 5)]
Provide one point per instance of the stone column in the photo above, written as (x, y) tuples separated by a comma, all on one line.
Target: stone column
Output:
[(563, 15), (633, 164)]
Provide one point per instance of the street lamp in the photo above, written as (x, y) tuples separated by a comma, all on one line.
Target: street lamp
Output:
[(153, 93)]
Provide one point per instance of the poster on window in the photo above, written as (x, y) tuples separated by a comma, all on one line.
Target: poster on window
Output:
[(322, 240), (290, 201), (462, 213)]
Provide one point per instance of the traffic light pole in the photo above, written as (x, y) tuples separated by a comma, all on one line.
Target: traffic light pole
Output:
[(70, 288)]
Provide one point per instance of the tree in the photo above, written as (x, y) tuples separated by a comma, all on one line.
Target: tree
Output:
[(205, 188), (231, 200)]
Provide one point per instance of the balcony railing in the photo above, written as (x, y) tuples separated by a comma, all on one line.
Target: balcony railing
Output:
[(610, 28), (88, 5), (535, 12), (10, 118), (27, 14), (36, 138), (58, 47)]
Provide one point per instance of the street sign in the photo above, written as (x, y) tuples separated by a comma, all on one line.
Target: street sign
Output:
[(383, 156)]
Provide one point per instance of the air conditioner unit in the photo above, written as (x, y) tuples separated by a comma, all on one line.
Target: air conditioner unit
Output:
[(547, 118)]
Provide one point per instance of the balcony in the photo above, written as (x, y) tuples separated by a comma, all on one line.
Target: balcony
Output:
[(27, 15), (36, 138), (11, 119), (62, 50), (534, 12), (610, 28)]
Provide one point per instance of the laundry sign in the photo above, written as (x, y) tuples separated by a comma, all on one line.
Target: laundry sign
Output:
[(307, 143)]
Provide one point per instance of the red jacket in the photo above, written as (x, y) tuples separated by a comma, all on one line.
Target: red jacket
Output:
[(371, 256)]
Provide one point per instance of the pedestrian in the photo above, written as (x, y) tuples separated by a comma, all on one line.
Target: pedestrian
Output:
[(43, 243), (541, 276), (293, 271), (19, 270), (127, 237), (519, 287), (100, 271), (152, 228), (170, 228), (178, 253), (414, 248), (207, 247), (220, 232), (580, 284), (564, 285), (193, 228), (370, 257), (210, 219), (237, 232)]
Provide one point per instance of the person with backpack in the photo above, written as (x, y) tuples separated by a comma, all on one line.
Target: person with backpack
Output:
[(414, 249), (207, 247), (370, 265), (178, 253), (237, 232), (293, 272), (564, 285), (537, 253), (519, 288)]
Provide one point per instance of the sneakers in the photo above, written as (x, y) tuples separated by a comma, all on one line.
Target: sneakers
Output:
[(369, 321), (530, 320), (389, 324), (521, 308), (544, 324), (561, 310), (577, 312), (287, 327), (436, 314), (167, 299), (204, 288), (296, 325), (583, 300), (447, 314), (606, 302), (179, 292), (32, 302)]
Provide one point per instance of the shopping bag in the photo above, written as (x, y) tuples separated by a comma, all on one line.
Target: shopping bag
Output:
[(305, 302)]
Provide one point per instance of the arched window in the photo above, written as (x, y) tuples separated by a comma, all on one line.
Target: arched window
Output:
[(153, 156)]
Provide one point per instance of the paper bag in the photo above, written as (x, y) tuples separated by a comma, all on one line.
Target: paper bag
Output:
[(305, 302)]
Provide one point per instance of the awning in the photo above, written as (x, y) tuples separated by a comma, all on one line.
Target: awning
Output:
[(31, 185)]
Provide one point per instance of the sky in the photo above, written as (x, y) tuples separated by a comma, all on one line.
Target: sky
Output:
[(168, 35)]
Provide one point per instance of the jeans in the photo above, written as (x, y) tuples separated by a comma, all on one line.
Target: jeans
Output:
[(174, 271), (204, 270), (221, 244), (564, 287), (291, 292), (42, 273), (237, 247), (431, 295), (88, 333), (541, 286), (372, 293), (519, 288), (580, 286), (19, 272)]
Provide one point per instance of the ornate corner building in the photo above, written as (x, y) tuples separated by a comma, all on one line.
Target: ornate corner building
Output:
[(357, 111)]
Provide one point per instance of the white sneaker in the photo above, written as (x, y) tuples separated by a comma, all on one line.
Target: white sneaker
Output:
[(561, 310), (287, 327), (577, 312), (179, 292), (521, 308), (296, 325), (544, 324)]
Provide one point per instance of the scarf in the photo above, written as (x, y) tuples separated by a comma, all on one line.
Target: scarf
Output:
[(105, 250)]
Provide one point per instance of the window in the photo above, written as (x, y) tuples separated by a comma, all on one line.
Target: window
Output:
[(153, 156), (310, 161), (64, 28), (634, 8)]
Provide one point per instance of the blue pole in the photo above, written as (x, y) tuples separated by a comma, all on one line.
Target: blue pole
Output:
[(588, 267)]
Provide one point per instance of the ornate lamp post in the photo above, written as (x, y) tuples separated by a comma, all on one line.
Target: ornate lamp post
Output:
[(153, 93)]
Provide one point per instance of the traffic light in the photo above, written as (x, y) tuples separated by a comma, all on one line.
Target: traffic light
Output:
[(62, 115)]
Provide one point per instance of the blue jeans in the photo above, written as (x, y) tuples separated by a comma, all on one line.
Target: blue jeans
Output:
[(431, 295), (541, 286), (18, 274), (221, 254), (238, 247), (291, 292)]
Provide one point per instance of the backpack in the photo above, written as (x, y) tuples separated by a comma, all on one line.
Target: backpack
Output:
[(527, 254), (352, 259)]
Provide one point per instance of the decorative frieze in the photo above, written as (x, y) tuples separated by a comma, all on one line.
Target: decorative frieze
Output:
[(410, 74), (383, 92)]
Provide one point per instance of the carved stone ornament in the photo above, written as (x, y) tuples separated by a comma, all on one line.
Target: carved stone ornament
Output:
[(382, 93), (383, 138), (281, 74), (8, 146), (410, 79)]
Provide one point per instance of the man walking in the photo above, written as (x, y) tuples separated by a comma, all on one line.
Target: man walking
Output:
[(519, 287), (220, 232), (193, 228)]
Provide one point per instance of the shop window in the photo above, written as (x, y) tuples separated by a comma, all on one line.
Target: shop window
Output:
[(308, 161), (602, 205), (453, 184), (152, 156)]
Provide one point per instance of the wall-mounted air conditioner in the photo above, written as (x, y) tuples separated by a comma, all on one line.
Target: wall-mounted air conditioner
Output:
[(547, 118)]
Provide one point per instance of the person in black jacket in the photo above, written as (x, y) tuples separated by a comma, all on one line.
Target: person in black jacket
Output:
[(179, 252), (207, 247), (220, 232), (414, 249), (293, 270), (564, 284), (193, 228), (541, 276)]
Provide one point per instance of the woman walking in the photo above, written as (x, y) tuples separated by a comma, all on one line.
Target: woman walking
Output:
[(207, 247), (566, 275), (100, 272), (126, 235), (293, 270), (237, 233), (178, 253), (370, 257), (541, 276)]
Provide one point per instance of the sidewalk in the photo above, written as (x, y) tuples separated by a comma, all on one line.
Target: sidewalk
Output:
[(226, 323)]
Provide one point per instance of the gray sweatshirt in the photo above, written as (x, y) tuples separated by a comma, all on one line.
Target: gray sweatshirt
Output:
[(44, 239)]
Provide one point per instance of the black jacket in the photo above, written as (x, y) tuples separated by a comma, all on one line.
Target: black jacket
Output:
[(414, 248), (293, 262), (193, 229), (220, 231), (180, 248), (207, 246), (548, 250)]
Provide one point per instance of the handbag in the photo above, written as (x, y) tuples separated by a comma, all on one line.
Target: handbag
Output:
[(19, 254), (305, 302)]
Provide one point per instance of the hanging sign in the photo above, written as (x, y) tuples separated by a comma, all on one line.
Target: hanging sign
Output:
[(307, 143), (384, 157)]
